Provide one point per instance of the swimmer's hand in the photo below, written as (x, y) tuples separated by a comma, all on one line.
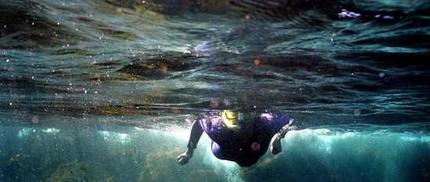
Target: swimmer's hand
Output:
[(276, 145), (184, 157)]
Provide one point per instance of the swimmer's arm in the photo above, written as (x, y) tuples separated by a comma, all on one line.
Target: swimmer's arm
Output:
[(276, 143), (196, 133), (286, 128)]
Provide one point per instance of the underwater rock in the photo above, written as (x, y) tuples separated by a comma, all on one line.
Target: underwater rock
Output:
[(160, 164), (80, 172), (146, 70), (23, 26), (157, 68)]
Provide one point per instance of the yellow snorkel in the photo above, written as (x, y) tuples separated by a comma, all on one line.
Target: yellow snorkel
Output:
[(230, 118)]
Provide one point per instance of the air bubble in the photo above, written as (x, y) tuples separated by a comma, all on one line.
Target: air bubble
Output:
[(357, 112)]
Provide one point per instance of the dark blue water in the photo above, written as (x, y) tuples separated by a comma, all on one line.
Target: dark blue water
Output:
[(105, 90)]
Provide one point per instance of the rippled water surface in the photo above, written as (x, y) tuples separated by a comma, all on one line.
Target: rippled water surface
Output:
[(87, 82)]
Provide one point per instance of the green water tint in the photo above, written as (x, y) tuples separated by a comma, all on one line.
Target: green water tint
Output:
[(135, 154)]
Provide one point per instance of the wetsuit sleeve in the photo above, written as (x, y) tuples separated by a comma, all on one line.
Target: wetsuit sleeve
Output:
[(196, 133), (268, 124)]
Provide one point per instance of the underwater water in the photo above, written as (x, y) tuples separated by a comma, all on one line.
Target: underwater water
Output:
[(106, 90)]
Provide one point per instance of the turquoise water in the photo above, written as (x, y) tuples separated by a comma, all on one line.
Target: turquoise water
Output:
[(118, 153), (106, 90)]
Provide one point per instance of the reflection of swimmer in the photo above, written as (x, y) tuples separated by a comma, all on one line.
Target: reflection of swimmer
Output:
[(239, 137)]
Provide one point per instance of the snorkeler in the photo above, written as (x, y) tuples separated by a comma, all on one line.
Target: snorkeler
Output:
[(239, 137)]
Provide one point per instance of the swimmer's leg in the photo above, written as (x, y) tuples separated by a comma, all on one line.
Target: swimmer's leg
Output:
[(216, 150), (276, 144)]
